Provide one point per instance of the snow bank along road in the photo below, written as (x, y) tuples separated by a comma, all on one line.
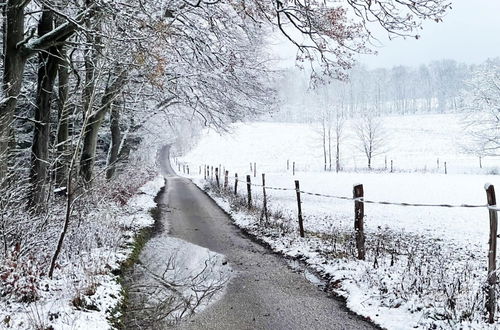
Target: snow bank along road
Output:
[(264, 293)]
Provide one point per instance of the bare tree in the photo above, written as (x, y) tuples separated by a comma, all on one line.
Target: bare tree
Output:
[(338, 127), (370, 132)]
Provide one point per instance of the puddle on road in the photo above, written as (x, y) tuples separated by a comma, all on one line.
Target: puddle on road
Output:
[(298, 267), (173, 280)]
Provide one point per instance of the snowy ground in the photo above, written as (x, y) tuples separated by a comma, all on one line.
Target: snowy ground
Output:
[(414, 143), (77, 298), (425, 265)]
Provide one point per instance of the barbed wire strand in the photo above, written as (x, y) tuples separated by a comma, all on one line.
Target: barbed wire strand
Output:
[(368, 201)]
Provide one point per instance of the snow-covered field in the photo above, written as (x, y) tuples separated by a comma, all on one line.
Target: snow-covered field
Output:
[(449, 243), (414, 143)]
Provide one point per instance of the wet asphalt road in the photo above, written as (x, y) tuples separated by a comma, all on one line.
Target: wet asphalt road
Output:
[(265, 293)]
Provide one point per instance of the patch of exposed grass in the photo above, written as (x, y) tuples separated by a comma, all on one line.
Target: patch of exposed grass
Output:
[(117, 315)]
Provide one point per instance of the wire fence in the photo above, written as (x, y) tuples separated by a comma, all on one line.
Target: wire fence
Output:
[(369, 201), (185, 169)]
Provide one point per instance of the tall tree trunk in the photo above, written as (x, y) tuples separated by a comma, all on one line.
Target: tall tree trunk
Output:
[(47, 73), (115, 141), (14, 63), (94, 122), (337, 154), (63, 119), (329, 147), (90, 57), (323, 127), (89, 60)]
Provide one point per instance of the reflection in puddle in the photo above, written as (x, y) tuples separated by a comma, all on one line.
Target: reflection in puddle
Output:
[(297, 267), (173, 279)]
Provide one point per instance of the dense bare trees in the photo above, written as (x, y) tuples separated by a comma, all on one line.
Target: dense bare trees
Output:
[(481, 102), (435, 87), (189, 58)]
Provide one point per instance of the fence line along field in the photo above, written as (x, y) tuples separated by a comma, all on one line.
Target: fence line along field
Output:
[(426, 264)]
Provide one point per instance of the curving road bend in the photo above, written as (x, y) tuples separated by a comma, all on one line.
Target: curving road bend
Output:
[(264, 293)]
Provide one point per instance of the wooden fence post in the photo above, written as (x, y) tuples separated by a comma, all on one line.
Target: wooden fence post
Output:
[(392, 166), (385, 163), (217, 177), (480, 162), (445, 168), (264, 204), (251, 167), (359, 214), (212, 172), (236, 183), (187, 169), (299, 207), (249, 191), (226, 174), (205, 172), (437, 162), (288, 164), (293, 168), (179, 167), (492, 253), (254, 170)]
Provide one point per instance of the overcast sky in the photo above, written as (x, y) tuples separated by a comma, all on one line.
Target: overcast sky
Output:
[(469, 33)]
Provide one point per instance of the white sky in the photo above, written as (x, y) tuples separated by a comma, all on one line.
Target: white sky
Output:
[(469, 33)]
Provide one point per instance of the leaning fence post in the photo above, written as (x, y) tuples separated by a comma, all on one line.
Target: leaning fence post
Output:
[(359, 213), (236, 183), (226, 174), (492, 253), (249, 191), (264, 204), (299, 208), (217, 176)]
